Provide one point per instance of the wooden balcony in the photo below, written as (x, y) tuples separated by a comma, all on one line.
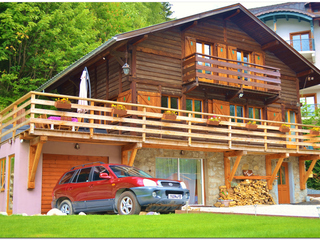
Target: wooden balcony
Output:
[(146, 127), (230, 76)]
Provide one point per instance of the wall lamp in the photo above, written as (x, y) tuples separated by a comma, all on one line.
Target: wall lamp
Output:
[(77, 146), (240, 94)]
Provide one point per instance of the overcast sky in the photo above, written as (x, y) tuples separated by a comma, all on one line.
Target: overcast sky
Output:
[(187, 8)]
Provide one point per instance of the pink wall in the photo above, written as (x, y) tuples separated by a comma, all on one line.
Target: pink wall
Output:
[(29, 201)]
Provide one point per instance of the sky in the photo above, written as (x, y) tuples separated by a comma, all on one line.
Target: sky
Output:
[(187, 8)]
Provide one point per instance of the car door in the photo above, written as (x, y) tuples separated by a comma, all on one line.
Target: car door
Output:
[(77, 191), (100, 191)]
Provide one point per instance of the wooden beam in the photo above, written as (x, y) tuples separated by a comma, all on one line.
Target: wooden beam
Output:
[(124, 157), (227, 172), (190, 87), (189, 26), (141, 40), (133, 156), (34, 156), (270, 45), (235, 153), (235, 167), (304, 73), (272, 99), (36, 140), (309, 157), (232, 15), (306, 176), (131, 147), (277, 155), (301, 175), (274, 174)]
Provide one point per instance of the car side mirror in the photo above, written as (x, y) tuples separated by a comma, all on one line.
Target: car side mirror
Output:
[(104, 176)]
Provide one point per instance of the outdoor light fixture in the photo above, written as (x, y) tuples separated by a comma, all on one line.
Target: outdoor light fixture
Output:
[(77, 146), (126, 67), (240, 94)]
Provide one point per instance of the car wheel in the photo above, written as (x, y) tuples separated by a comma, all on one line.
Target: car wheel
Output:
[(128, 204), (66, 207)]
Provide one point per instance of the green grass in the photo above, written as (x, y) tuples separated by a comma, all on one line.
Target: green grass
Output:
[(204, 225)]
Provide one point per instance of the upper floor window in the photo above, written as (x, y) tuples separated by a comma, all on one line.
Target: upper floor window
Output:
[(237, 111), (301, 41), (255, 113), (243, 56), (170, 102), (194, 105), (2, 173), (205, 49), (309, 104)]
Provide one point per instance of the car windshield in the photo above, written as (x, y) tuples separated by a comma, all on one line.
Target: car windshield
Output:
[(126, 171)]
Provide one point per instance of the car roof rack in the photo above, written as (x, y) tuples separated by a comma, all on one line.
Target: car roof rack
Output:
[(82, 165)]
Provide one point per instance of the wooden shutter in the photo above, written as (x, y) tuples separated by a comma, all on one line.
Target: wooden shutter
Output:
[(232, 55), (259, 59), (221, 107), (274, 114), (222, 52), (125, 97), (190, 46), (151, 99)]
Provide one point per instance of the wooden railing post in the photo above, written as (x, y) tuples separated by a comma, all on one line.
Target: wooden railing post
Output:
[(91, 120), (230, 134), (144, 118), (189, 130), (265, 137), (32, 108)]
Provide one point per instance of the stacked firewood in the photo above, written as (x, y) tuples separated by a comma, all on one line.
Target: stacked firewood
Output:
[(247, 192)]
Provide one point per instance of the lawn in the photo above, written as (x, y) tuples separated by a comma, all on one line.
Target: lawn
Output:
[(204, 225)]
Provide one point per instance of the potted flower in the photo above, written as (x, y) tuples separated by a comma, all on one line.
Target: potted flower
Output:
[(169, 115), (214, 120), (251, 125), (118, 109), (284, 128), (315, 131), (62, 103)]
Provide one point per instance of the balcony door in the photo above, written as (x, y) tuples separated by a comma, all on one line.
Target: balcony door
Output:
[(301, 41), (190, 171), (290, 117), (283, 184)]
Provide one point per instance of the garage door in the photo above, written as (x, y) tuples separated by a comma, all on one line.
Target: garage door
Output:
[(54, 165)]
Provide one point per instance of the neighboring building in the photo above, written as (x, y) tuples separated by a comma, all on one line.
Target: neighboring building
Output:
[(223, 62), (298, 24)]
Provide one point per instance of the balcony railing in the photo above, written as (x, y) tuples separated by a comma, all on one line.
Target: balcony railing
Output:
[(302, 44), (231, 72), (145, 125)]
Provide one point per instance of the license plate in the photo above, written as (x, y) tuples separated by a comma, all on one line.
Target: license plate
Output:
[(175, 196)]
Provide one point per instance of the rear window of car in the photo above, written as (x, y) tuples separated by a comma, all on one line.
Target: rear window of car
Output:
[(66, 178), (126, 171)]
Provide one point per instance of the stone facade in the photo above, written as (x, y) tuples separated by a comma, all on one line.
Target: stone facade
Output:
[(213, 165)]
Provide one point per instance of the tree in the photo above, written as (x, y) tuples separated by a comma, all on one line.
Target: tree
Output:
[(40, 39)]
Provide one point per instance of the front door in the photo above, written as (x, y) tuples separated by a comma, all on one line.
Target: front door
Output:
[(283, 184)]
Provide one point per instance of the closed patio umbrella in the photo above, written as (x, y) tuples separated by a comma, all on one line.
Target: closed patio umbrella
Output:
[(83, 90)]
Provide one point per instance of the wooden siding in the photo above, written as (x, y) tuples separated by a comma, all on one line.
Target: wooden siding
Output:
[(54, 166)]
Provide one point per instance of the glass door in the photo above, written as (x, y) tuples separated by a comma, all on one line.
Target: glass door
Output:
[(190, 171)]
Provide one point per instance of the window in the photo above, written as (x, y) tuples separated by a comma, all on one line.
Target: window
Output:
[(96, 173), (205, 49), (82, 175), (237, 111), (255, 113), (2, 173), (66, 178), (170, 102), (301, 41), (194, 105), (243, 57), (309, 104)]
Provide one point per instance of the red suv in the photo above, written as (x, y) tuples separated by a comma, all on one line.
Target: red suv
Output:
[(100, 187)]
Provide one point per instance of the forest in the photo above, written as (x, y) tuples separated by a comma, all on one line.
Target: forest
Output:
[(40, 39)]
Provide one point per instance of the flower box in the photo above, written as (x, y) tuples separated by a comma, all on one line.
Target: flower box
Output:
[(119, 112), (251, 126), (314, 132), (63, 105), (167, 116), (213, 122), (284, 129)]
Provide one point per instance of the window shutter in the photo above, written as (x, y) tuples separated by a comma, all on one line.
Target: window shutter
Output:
[(274, 114), (151, 99), (259, 59), (125, 97), (221, 107), (222, 53), (190, 46)]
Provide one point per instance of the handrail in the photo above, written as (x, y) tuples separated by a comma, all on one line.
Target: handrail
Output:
[(145, 122)]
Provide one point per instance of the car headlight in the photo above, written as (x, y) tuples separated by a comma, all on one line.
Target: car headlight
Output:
[(149, 183), (183, 185)]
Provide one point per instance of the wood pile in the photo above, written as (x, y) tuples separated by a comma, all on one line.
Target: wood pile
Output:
[(247, 192)]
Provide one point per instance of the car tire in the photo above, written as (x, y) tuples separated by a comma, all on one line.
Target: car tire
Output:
[(128, 204), (66, 207)]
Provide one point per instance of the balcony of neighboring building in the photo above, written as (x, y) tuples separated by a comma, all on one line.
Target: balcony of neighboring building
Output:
[(304, 45)]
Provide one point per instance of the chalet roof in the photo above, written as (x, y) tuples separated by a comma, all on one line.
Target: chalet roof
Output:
[(246, 20)]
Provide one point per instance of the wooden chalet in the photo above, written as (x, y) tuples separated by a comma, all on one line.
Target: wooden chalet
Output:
[(223, 64)]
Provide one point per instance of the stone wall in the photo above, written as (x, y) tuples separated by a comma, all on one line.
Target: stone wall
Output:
[(214, 169)]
